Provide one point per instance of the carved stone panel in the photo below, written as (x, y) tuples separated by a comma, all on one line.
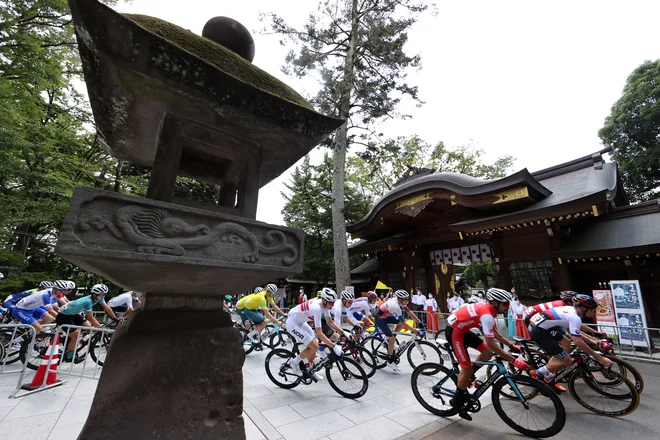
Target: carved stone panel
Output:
[(147, 245)]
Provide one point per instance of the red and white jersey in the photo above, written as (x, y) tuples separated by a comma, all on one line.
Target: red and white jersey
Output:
[(307, 311), (474, 315), (533, 310), (392, 307)]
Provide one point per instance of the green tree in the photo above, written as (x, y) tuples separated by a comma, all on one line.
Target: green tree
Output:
[(377, 169), (633, 129), (355, 48), (309, 207), (480, 274)]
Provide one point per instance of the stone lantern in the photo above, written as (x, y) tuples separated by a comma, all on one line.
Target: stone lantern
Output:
[(169, 99)]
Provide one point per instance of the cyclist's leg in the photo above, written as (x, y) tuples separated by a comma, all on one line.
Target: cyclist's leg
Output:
[(26, 317), (549, 343)]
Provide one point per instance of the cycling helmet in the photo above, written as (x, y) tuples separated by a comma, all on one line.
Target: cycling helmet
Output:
[(402, 294), (372, 295), (258, 289), (567, 296), (328, 294), (99, 289), (345, 294), (500, 295), (71, 284), (585, 301), (227, 297), (46, 284), (61, 285), (271, 288)]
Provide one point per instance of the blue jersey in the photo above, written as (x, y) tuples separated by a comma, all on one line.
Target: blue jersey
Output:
[(39, 299), (82, 305), (11, 300)]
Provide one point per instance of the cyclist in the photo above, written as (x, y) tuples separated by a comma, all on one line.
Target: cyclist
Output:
[(297, 325), (459, 335), (248, 306), (547, 328), (226, 303), (338, 312), (360, 311), (391, 312), (74, 313), (11, 300), (38, 308), (123, 303)]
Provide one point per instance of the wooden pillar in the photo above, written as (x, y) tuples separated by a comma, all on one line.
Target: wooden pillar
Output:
[(562, 275)]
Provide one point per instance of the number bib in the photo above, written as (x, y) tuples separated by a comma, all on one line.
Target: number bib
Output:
[(537, 319), (452, 320)]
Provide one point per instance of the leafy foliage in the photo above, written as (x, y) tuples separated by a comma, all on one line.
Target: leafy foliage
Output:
[(633, 127), (308, 207), (378, 168), (480, 274)]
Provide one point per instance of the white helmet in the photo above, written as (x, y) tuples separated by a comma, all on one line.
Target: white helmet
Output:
[(258, 289), (500, 295), (271, 287), (345, 294), (328, 294), (99, 289), (403, 294), (61, 285), (46, 284), (71, 284)]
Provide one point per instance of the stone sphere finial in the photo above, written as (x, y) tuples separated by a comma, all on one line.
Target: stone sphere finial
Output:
[(230, 34)]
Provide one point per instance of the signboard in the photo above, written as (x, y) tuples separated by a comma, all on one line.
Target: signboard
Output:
[(629, 312), (350, 289), (605, 312)]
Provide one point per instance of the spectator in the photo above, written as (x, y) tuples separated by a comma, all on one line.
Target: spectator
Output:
[(301, 295), (431, 315), (455, 302), (418, 301), (481, 297)]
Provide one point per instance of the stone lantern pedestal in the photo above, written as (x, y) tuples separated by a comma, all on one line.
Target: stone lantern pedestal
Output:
[(167, 98)]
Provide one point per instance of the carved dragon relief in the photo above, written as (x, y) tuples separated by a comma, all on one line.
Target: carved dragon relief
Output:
[(153, 231)]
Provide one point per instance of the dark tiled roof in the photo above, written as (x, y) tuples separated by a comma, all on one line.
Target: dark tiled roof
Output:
[(568, 187), (369, 266)]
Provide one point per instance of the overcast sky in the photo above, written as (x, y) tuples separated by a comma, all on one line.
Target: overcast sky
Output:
[(533, 79)]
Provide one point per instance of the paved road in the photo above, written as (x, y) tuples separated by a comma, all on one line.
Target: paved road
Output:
[(644, 423)]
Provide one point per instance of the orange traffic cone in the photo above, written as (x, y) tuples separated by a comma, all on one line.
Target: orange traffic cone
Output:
[(45, 370)]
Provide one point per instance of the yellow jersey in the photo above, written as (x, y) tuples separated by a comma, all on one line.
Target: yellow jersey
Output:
[(255, 301)]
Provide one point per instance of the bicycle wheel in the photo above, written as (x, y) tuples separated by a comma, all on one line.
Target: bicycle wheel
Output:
[(347, 377), (540, 417), (2, 354), (12, 342), (281, 339), (278, 368), (267, 331), (433, 386), (424, 351), (247, 342), (34, 357), (363, 357), (616, 401), (98, 348), (378, 348), (622, 367)]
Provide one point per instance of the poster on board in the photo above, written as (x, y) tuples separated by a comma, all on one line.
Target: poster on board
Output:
[(605, 312), (629, 312)]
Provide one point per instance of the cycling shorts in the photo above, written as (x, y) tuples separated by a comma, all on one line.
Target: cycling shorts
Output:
[(383, 324), (548, 340), (76, 319), (301, 331), (28, 317), (462, 339), (250, 315)]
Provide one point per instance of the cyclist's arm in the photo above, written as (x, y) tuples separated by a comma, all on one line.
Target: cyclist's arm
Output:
[(271, 317), (582, 345), (404, 324), (278, 310), (92, 320), (109, 311), (412, 316), (493, 346), (333, 325), (323, 338)]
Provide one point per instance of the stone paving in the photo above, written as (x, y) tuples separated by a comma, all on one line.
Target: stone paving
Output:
[(315, 412)]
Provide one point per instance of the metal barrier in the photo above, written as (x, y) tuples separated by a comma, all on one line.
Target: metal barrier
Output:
[(635, 343), (12, 337), (92, 362)]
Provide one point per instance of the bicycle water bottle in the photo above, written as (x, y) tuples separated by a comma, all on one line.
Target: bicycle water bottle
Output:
[(321, 352)]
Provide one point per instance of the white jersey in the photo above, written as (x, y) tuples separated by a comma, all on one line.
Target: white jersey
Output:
[(362, 305), (338, 311), (307, 311), (563, 317), (391, 307), (43, 298), (125, 299)]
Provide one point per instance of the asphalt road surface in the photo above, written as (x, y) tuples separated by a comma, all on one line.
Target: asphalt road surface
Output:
[(581, 424)]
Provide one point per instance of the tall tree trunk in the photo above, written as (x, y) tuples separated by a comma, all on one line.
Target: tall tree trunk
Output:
[(342, 267), (118, 170)]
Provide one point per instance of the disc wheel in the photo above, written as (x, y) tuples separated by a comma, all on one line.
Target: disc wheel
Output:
[(347, 377), (278, 368)]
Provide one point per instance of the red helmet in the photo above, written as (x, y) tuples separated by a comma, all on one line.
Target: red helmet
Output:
[(567, 296), (584, 301), (372, 295)]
